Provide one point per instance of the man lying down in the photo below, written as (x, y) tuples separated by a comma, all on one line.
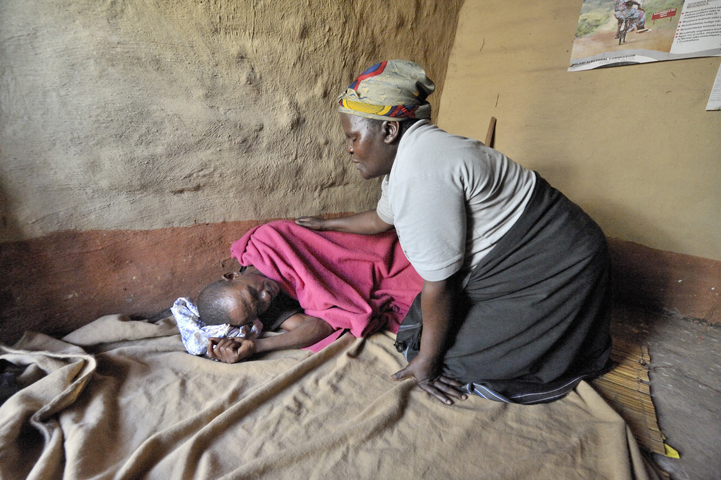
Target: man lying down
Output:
[(312, 285)]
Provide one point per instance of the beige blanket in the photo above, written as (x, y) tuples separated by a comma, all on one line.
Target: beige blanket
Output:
[(122, 399)]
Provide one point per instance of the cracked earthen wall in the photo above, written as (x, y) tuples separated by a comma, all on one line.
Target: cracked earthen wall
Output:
[(139, 138), (148, 114)]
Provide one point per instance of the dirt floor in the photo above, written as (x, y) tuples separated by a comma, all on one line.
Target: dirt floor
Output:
[(685, 378), (659, 39)]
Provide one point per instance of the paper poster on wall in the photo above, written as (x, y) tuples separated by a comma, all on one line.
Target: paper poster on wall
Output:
[(714, 100), (620, 32)]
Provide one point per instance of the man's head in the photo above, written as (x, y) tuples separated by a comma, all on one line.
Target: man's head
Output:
[(376, 110), (237, 299)]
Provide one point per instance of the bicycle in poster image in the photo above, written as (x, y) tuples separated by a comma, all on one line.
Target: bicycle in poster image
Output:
[(626, 25)]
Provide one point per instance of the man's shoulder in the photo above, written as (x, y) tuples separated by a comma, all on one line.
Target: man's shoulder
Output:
[(281, 309)]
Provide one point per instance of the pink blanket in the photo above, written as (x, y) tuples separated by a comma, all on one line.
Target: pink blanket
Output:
[(360, 283)]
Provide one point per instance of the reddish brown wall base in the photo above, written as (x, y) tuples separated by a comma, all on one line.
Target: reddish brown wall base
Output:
[(60, 282), (665, 281)]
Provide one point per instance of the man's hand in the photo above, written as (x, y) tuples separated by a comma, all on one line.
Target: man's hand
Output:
[(230, 350), (430, 379)]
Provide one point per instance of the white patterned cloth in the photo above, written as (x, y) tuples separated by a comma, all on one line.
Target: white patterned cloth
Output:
[(195, 333)]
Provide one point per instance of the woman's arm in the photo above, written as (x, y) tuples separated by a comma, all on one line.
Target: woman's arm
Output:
[(437, 300), (366, 223)]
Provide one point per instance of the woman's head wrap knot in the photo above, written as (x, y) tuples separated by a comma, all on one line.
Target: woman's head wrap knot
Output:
[(391, 90)]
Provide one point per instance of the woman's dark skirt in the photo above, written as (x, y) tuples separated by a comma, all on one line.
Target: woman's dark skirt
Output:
[(534, 317)]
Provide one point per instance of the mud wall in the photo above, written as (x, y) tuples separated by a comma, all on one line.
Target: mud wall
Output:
[(138, 138), (632, 145), (143, 114)]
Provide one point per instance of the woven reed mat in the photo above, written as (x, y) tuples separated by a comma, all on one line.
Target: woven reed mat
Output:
[(626, 388)]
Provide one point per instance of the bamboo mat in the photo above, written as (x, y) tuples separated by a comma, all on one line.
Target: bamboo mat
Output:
[(626, 388)]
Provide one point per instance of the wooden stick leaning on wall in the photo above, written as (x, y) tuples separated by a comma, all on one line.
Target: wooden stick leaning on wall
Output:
[(491, 133)]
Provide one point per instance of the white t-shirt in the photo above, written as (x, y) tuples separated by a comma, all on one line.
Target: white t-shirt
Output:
[(451, 199)]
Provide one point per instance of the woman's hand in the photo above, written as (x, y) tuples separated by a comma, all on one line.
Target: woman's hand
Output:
[(429, 377), (230, 350), (366, 223), (313, 223), (437, 299)]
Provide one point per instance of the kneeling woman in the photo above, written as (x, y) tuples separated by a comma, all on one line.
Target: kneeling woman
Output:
[(515, 305)]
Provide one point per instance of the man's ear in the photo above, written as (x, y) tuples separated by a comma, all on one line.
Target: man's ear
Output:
[(391, 130), (230, 276)]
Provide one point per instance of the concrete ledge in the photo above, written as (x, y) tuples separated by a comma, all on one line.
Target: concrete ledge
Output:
[(58, 283)]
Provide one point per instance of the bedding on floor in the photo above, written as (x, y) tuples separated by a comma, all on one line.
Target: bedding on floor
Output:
[(121, 399)]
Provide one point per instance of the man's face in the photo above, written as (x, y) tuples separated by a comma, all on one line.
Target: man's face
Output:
[(250, 295), (367, 143)]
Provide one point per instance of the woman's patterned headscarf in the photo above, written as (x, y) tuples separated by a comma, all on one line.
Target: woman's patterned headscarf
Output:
[(391, 90)]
